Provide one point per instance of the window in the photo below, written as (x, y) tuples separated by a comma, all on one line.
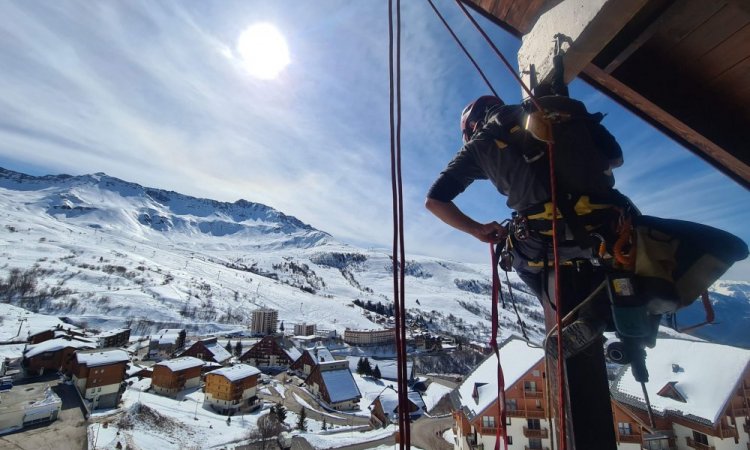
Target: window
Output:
[(535, 373), (510, 440), (624, 428), (538, 404), (511, 404), (535, 443), (488, 421), (534, 424), (507, 420), (529, 386), (699, 437)]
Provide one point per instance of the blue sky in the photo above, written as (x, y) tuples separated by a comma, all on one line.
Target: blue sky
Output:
[(155, 92)]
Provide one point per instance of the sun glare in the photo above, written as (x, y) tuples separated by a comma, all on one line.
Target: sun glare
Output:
[(263, 50)]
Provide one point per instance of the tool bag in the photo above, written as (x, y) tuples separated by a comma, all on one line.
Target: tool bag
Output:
[(676, 260)]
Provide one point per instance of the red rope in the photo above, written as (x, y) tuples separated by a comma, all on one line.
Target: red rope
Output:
[(558, 304), (550, 147), (398, 225), (496, 286), (466, 52)]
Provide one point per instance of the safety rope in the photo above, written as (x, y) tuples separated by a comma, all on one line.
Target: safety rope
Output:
[(398, 223), (553, 189), (466, 52), (500, 431)]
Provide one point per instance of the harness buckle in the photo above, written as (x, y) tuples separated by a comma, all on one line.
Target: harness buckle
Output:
[(520, 224)]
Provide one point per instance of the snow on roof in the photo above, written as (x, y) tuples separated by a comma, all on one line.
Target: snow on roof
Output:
[(182, 363), (516, 359), (293, 353), (55, 345), (102, 357), (388, 399), (111, 332), (220, 353), (707, 386), (236, 372), (322, 352), (167, 336), (340, 385)]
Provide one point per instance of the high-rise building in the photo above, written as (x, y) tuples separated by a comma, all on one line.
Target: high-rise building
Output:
[(264, 321)]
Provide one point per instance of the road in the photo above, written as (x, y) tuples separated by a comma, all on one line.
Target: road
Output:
[(68, 432)]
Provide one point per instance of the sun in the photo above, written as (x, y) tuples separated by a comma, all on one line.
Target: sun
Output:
[(263, 50)]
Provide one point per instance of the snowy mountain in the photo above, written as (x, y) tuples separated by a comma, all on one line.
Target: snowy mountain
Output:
[(107, 253)]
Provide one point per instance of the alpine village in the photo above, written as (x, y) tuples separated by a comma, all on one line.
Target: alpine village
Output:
[(137, 317)]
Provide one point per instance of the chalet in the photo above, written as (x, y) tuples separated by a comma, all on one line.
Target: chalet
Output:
[(207, 350), (384, 409), (166, 342), (475, 400), (333, 383), (54, 354), (175, 375), (114, 338), (428, 342), (310, 358), (699, 393), (23, 406), (270, 353), (98, 375), (41, 336), (232, 389)]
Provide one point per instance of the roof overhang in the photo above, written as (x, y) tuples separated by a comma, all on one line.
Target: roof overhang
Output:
[(681, 65)]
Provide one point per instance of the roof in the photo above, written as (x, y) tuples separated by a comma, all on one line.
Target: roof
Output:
[(322, 352), (112, 332), (340, 385), (55, 345), (101, 357), (167, 336), (236, 372), (648, 55), (516, 358), (389, 399), (219, 353), (706, 387), (293, 353), (182, 363)]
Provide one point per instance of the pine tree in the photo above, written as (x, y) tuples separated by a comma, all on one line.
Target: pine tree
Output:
[(366, 367), (281, 327), (325, 424), (376, 372), (280, 413), (302, 420), (229, 346), (360, 366), (238, 349)]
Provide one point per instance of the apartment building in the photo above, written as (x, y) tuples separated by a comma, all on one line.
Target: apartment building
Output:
[(98, 375), (370, 337), (264, 321), (232, 389)]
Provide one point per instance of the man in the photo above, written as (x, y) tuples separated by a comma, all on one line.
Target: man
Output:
[(498, 148)]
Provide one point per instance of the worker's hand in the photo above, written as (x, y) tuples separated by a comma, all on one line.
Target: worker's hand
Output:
[(491, 232)]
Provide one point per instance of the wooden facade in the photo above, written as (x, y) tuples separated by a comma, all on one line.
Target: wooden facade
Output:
[(170, 379), (267, 352), (41, 336), (99, 375), (228, 394), (208, 350)]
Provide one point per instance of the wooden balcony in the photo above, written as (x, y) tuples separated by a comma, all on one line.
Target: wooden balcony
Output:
[(728, 432), (529, 393), (697, 445), (532, 433), (531, 413)]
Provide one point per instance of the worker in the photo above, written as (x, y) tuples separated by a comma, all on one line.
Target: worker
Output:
[(497, 147)]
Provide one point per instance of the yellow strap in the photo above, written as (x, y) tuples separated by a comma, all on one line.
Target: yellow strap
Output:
[(583, 207)]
